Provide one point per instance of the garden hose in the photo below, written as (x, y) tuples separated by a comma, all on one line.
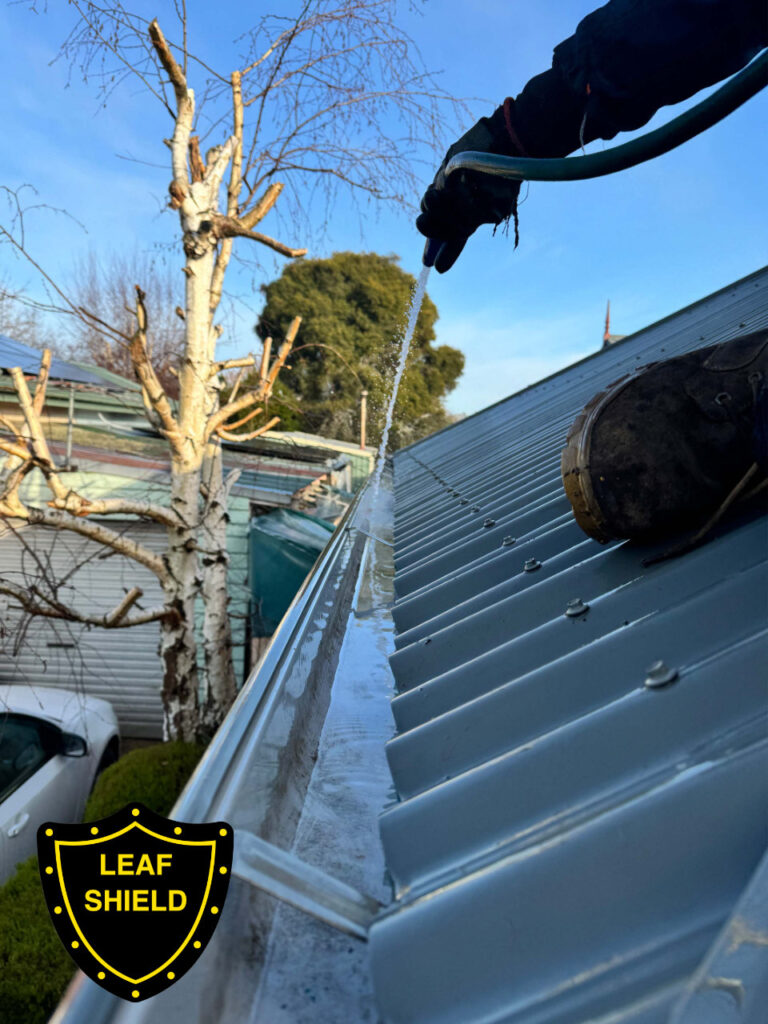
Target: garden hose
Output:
[(708, 112)]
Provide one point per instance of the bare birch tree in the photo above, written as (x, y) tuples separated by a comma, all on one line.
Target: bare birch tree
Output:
[(310, 105), (21, 320), (104, 287)]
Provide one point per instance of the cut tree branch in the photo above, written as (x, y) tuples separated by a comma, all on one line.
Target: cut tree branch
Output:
[(266, 352), (185, 103), (42, 382), (226, 436), (264, 205), (236, 385), (124, 507), (233, 192), (101, 534), (122, 609), (169, 62), (264, 389), (284, 350), (14, 449), (228, 227), (232, 364), (17, 465), (37, 438), (112, 620), (11, 427), (219, 418), (196, 164), (151, 386), (241, 422)]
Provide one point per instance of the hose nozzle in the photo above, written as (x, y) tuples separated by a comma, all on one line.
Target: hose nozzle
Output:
[(431, 249)]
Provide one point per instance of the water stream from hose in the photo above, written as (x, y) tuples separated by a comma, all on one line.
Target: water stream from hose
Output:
[(417, 297)]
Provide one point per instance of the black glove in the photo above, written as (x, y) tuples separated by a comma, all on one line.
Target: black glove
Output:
[(453, 207)]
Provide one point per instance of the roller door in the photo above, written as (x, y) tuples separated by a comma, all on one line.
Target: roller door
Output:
[(121, 665)]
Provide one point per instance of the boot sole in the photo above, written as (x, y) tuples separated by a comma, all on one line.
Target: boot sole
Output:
[(575, 463)]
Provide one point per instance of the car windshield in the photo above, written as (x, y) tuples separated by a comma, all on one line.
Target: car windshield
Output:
[(25, 744)]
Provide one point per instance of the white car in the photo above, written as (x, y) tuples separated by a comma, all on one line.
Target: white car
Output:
[(53, 744)]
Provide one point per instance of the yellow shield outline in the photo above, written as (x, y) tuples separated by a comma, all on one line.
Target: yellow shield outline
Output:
[(58, 843)]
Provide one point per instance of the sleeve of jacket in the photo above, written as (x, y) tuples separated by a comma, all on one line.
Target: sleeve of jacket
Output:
[(630, 57)]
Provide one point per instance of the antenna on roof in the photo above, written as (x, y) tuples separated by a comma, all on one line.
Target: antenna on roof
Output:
[(608, 338)]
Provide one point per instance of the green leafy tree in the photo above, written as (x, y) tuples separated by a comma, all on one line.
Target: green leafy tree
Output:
[(353, 308)]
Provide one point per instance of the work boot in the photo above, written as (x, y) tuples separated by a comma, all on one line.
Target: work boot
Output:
[(661, 449)]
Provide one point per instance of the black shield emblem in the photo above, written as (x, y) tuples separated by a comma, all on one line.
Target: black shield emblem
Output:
[(135, 897)]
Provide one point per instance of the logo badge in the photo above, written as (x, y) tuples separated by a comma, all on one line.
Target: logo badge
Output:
[(135, 897)]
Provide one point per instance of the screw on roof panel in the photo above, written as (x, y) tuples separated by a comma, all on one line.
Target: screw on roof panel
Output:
[(576, 607), (507, 542), (660, 674), (531, 565)]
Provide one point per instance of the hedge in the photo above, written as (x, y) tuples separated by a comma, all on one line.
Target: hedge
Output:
[(35, 969), (154, 775), (34, 966)]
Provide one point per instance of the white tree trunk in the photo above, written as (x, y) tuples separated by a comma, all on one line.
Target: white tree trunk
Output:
[(198, 552), (217, 631), (179, 642), (178, 645)]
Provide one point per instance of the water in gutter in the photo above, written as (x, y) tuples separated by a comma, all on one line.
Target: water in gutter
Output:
[(311, 972)]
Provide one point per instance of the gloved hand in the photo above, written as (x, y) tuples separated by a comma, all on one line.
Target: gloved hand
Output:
[(454, 206)]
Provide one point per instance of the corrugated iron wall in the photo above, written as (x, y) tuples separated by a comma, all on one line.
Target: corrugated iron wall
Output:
[(120, 665), (568, 841)]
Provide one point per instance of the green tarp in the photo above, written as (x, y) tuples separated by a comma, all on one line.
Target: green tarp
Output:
[(284, 545)]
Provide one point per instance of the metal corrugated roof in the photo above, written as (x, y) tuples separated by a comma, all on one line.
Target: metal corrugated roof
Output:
[(264, 479), (114, 381), (568, 843)]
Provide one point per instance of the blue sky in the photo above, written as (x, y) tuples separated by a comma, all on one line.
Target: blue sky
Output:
[(651, 239)]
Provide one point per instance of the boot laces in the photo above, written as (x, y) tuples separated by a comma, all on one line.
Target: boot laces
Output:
[(737, 494)]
